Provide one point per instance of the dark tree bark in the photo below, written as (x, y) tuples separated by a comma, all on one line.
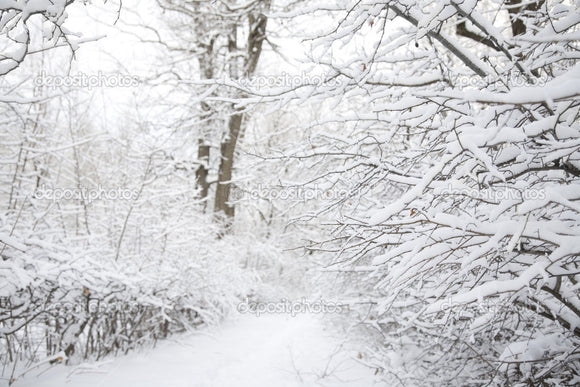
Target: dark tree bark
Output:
[(517, 11), (203, 152), (227, 152)]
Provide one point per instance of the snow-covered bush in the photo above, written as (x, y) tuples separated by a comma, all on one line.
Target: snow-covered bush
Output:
[(104, 244), (458, 128)]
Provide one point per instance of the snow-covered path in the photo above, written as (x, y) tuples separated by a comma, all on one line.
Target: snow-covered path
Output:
[(269, 351)]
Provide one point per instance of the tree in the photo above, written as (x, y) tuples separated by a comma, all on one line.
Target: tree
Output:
[(215, 42), (20, 20), (98, 222), (256, 24), (463, 155)]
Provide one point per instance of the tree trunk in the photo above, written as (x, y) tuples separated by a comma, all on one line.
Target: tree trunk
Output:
[(206, 64), (256, 36), (227, 152), (203, 169)]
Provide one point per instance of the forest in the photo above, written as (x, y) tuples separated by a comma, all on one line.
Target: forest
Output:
[(402, 173)]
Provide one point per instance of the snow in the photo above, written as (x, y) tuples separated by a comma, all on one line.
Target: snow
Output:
[(384, 214), (531, 350), (491, 288), (270, 350), (455, 239), (12, 242)]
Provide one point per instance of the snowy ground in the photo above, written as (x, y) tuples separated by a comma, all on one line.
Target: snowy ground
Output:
[(270, 350)]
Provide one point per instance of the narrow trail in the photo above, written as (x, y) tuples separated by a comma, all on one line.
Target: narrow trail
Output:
[(269, 351)]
